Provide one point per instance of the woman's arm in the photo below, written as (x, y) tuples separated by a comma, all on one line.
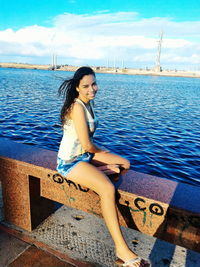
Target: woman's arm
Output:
[(80, 123)]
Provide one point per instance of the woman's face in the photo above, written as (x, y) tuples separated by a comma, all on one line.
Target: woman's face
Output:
[(87, 88)]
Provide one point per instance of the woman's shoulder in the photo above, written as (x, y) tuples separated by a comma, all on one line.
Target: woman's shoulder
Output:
[(77, 105), (76, 109)]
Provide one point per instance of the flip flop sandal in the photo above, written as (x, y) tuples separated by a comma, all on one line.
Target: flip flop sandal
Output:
[(120, 262)]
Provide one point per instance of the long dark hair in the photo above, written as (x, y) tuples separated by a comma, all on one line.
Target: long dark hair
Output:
[(69, 92)]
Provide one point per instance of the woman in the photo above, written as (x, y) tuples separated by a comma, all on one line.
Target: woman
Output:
[(84, 163)]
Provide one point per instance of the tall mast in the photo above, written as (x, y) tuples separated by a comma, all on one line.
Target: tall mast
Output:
[(54, 61), (157, 66)]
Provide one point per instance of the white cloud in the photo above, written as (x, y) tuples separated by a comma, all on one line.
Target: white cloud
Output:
[(101, 36)]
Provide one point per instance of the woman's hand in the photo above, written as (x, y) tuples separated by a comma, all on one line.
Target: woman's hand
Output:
[(109, 169)]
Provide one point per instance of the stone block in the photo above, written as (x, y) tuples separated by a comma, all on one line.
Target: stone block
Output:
[(1, 204)]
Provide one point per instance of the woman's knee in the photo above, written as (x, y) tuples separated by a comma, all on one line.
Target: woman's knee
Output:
[(108, 190)]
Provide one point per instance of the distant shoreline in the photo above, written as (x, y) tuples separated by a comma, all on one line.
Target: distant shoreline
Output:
[(129, 71)]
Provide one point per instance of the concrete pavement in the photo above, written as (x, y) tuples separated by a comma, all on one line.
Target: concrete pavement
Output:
[(81, 239)]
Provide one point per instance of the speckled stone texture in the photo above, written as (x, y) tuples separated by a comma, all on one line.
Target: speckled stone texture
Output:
[(23, 205), (1, 204), (152, 205)]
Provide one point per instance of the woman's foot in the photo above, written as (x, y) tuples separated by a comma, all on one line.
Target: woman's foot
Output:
[(132, 263), (128, 258)]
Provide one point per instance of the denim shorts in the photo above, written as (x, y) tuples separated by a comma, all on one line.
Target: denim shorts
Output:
[(64, 167)]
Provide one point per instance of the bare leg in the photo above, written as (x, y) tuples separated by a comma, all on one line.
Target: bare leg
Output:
[(99, 182)]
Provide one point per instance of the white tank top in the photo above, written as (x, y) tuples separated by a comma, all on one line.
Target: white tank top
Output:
[(70, 146)]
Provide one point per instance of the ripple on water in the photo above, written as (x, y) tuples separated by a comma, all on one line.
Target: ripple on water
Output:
[(152, 122)]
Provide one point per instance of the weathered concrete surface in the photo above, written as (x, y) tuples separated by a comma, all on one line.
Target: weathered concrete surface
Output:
[(84, 237)]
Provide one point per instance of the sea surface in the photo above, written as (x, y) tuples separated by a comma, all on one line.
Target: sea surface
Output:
[(153, 121)]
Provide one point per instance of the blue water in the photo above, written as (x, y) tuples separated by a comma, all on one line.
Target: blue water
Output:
[(153, 121)]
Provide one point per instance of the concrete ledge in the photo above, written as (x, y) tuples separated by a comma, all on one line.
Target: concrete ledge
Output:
[(151, 205), (1, 204)]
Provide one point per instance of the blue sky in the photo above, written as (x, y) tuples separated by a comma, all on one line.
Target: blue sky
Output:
[(101, 32)]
